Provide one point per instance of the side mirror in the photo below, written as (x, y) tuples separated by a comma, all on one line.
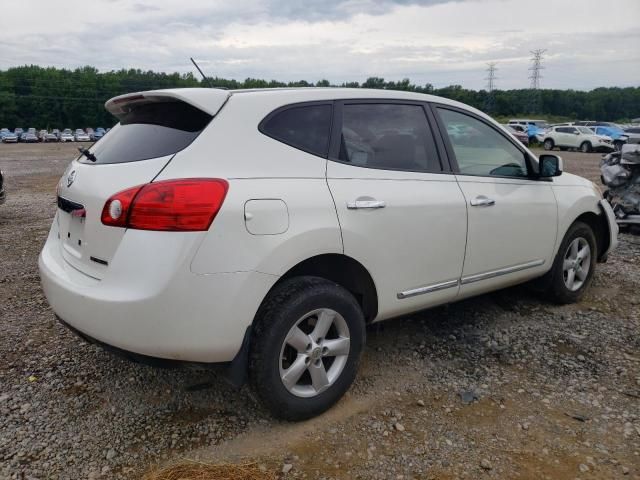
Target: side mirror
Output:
[(550, 165)]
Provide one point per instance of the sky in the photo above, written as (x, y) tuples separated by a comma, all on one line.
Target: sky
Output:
[(589, 43)]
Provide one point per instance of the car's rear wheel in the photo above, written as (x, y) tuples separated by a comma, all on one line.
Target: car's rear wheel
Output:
[(585, 147), (574, 265), (306, 346), (548, 144)]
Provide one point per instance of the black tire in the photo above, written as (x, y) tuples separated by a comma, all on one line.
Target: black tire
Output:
[(558, 288), (279, 313), (548, 144), (617, 146), (585, 147)]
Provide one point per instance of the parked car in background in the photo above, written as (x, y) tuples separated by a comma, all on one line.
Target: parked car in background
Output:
[(18, 131), (582, 138), (56, 132), (3, 195), (81, 136), (67, 136), (533, 127), (9, 137), (266, 229), (633, 134), (615, 133), (519, 134), (97, 134), (50, 137), (41, 135), (28, 137)]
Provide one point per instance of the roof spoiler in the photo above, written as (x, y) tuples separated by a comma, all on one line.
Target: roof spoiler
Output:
[(209, 100)]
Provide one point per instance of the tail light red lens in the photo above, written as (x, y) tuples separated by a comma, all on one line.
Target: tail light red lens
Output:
[(184, 205)]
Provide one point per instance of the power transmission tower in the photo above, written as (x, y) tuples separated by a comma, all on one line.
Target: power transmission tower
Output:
[(491, 76), (535, 76), (491, 85)]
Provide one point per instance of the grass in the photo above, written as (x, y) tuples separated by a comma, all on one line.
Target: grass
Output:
[(193, 470)]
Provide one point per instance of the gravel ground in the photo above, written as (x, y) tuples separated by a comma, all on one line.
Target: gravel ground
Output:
[(501, 386)]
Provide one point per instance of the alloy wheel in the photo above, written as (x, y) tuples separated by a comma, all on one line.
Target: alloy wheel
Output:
[(577, 262), (314, 353)]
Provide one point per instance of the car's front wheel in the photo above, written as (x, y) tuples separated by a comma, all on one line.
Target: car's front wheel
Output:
[(306, 346), (585, 147), (574, 265), (548, 144)]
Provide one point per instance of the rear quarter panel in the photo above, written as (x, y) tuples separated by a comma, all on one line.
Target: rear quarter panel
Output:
[(313, 228), (258, 167)]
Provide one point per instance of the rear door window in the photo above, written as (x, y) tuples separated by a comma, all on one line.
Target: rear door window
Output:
[(306, 127), (389, 137), (151, 130)]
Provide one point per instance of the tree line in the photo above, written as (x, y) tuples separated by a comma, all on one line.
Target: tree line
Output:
[(33, 96)]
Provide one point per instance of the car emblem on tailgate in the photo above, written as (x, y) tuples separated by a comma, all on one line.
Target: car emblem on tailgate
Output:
[(71, 178)]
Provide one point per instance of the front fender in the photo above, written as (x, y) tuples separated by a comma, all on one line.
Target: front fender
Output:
[(611, 228), (574, 201)]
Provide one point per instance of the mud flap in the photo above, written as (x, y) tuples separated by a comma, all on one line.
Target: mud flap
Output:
[(237, 373)]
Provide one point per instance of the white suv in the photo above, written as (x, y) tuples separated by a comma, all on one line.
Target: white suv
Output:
[(583, 138), (265, 229)]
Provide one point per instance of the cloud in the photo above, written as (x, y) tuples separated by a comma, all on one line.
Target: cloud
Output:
[(437, 41), (314, 10)]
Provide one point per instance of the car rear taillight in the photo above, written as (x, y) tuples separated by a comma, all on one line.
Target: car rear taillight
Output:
[(184, 205)]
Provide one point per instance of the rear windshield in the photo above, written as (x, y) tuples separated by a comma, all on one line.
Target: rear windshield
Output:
[(149, 131)]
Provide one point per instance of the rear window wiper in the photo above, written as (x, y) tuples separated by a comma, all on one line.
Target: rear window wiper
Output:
[(87, 154)]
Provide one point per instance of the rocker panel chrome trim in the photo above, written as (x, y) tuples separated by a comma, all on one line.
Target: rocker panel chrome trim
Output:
[(428, 289), (502, 271)]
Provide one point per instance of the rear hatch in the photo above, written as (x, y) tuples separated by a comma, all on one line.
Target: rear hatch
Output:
[(154, 127)]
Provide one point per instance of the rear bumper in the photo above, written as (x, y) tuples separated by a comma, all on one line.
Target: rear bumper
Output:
[(163, 311)]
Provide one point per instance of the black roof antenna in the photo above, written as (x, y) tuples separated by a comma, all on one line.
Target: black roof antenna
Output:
[(208, 80)]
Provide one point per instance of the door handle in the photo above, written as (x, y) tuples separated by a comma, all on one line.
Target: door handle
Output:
[(366, 204), (482, 201)]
